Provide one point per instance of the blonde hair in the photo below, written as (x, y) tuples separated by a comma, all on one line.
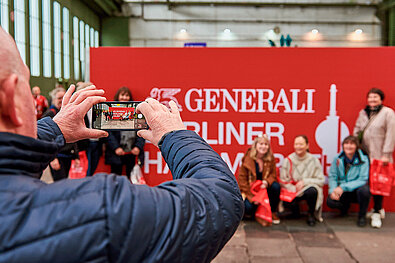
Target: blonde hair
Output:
[(268, 155)]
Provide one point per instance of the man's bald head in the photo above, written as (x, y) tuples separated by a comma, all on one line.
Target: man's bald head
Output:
[(11, 61)]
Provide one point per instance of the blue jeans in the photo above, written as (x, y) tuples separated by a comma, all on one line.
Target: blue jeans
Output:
[(273, 192)]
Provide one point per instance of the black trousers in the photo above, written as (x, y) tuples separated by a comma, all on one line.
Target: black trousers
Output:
[(310, 195), (128, 160), (378, 202), (360, 195), (94, 153), (273, 191), (63, 172)]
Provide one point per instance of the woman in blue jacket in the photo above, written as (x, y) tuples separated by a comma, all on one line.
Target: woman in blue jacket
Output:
[(348, 177)]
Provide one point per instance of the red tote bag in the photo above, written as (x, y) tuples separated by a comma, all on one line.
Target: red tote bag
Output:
[(381, 178), (264, 210), (79, 171), (285, 194)]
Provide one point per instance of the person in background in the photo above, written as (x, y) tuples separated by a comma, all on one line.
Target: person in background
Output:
[(123, 147), (375, 128), (60, 166), (348, 178), (40, 102), (305, 171), (259, 164)]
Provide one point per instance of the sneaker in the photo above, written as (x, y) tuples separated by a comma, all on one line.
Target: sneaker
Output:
[(275, 219), (376, 220), (310, 220), (371, 212), (361, 221)]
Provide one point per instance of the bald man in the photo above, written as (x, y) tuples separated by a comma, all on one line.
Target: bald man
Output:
[(40, 102), (105, 218)]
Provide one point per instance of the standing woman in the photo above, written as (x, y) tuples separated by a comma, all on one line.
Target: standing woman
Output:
[(259, 164), (60, 166), (375, 127), (123, 146), (305, 171)]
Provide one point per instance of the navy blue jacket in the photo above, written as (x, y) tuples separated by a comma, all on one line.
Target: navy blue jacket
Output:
[(104, 218)]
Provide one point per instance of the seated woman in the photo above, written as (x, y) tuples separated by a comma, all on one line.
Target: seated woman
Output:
[(259, 164), (302, 173), (348, 178)]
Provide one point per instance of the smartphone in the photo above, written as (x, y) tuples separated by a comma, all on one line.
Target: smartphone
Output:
[(118, 115)]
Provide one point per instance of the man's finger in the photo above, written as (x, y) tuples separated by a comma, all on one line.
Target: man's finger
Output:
[(77, 93), (67, 95), (156, 105), (173, 107), (89, 102), (146, 134), (82, 96), (145, 109), (96, 134)]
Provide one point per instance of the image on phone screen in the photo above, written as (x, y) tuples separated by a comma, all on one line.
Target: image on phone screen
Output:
[(117, 115)]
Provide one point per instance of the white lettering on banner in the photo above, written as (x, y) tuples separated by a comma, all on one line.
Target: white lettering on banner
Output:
[(249, 100), (157, 161), (241, 135), (280, 158)]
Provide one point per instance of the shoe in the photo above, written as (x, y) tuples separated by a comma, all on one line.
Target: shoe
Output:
[(376, 220), (361, 221), (310, 220), (371, 212), (263, 222), (275, 219)]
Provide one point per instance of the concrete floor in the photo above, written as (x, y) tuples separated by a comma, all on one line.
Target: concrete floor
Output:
[(337, 239)]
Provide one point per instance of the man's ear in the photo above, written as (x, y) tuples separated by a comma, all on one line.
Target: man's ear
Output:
[(7, 100)]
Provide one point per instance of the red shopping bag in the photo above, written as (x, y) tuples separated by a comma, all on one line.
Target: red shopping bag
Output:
[(79, 171), (264, 210), (381, 178), (285, 194)]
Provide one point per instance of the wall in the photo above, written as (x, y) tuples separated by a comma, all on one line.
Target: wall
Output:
[(155, 24)]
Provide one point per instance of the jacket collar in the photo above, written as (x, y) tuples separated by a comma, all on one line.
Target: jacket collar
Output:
[(21, 155), (356, 159)]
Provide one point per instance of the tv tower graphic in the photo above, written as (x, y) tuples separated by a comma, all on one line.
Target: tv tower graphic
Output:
[(330, 133)]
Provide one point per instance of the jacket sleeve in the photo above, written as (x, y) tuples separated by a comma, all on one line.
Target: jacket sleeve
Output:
[(359, 123), (112, 141), (188, 219), (389, 139), (317, 177), (48, 130), (361, 180), (243, 182), (272, 177), (332, 177)]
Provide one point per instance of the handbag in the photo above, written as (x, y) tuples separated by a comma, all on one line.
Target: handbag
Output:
[(264, 210), (136, 175), (79, 171), (285, 194), (381, 178)]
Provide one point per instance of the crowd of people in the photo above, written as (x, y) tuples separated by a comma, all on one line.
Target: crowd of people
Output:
[(301, 175)]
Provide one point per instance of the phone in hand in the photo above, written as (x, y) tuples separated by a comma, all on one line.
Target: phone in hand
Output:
[(118, 115)]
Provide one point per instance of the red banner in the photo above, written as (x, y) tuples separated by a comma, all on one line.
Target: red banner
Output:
[(230, 95)]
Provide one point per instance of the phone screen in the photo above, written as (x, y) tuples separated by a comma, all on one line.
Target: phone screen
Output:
[(117, 115)]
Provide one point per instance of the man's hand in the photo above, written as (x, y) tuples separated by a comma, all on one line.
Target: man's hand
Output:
[(70, 118), (160, 119), (55, 164)]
